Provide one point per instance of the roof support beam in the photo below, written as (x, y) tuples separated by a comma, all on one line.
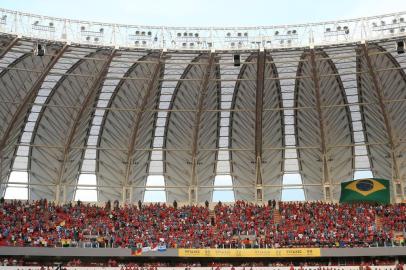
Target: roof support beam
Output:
[(202, 149), (258, 124), (24, 105), (170, 186), (27, 101), (84, 106), (316, 81), (196, 128), (9, 46), (29, 98), (137, 120), (2, 54), (386, 118)]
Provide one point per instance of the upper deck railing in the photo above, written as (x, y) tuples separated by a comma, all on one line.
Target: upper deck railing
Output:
[(198, 38)]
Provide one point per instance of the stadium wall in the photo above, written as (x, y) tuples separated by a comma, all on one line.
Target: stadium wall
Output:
[(386, 267), (215, 253)]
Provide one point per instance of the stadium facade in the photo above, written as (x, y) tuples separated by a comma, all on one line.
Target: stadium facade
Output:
[(121, 112)]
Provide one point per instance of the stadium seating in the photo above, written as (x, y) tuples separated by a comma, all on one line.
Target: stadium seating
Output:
[(13, 264), (393, 217), (340, 264), (304, 224)]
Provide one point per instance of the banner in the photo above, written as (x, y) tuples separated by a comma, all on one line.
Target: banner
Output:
[(259, 252), (366, 190), (65, 242), (136, 251), (162, 247)]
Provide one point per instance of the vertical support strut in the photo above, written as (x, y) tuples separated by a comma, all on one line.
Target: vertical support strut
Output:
[(193, 196), (85, 104), (57, 193), (64, 188), (258, 124), (137, 120), (388, 127), (316, 81), (123, 194)]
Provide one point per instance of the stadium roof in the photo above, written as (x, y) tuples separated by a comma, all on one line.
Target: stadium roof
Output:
[(93, 121)]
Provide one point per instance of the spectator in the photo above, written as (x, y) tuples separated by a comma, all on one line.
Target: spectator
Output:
[(139, 204), (175, 204), (243, 224)]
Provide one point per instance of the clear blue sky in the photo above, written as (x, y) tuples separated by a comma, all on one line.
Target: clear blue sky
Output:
[(207, 12)]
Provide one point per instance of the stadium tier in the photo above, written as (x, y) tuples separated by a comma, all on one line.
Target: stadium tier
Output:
[(243, 225), (98, 112), (383, 264), (188, 143)]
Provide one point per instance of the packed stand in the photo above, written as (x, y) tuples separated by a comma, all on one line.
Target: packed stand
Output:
[(393, 217), (241, 225), (324, 224), (47, 224), (241, 219)]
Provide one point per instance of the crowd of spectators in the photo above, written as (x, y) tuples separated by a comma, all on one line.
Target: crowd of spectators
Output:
[(318, 223), (153, 265), (393, 216), (241, 219), (241, 225)]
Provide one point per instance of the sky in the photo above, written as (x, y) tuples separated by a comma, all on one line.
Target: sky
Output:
[(207, 12)]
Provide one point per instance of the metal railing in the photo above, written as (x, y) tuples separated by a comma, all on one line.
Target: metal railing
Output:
[(201, 38)]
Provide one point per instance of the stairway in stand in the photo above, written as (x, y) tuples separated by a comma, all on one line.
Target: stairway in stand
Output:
[(276, 216), (378, 222), (212, 216)]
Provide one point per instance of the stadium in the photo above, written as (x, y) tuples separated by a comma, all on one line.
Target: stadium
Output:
[(145, 147)]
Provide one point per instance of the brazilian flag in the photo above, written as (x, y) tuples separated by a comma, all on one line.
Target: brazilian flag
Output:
[(366, 190)]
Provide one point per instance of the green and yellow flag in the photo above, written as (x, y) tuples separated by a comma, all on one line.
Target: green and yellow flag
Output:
[(366, 190)]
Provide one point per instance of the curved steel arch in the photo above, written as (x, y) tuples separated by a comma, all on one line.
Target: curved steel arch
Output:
[(399, 127), (259, 108), (246, 173), (13, 128), (99, 162), (383, 116), (14, 63), (122, 124), (340, 170), (27, 98), (176, 136), (170, 194), (272, 164), (199, 116), (60, 82), (334, 189), (141, 121), (6, 160), (376, 134), (59, 113), (323, 122), (83, 114)]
